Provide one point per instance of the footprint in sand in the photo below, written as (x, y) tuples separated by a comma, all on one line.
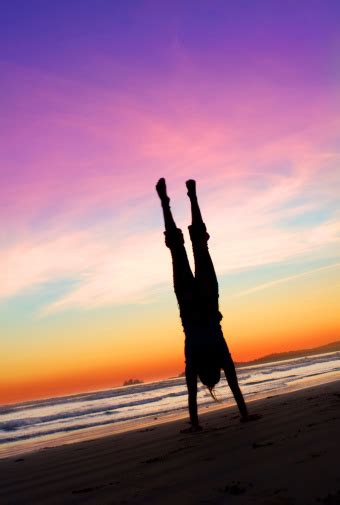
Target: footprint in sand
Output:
[(94, 488), (158, 459), (86, 490), (330, 499), (152, 460), (235, 488), (256, 445)]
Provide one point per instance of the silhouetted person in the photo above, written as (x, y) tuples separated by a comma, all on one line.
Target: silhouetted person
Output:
[(206, 351)]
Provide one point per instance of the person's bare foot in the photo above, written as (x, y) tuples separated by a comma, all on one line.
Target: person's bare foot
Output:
[(161, 189), (191, 187)]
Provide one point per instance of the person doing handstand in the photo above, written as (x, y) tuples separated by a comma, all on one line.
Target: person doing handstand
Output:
[(206, 351)]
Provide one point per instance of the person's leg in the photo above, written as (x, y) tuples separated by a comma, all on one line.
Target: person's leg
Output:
[(182, 275), (204, 269), (170, 225)]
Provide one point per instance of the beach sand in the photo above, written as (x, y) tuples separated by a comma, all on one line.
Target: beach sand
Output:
[(290, 456)]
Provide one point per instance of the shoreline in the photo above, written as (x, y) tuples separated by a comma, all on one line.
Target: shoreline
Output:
[(12, 449), (279, 459)]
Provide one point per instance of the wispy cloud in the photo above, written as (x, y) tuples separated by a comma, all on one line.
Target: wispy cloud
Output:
[(84, 208), (111, 265), (282, 280)]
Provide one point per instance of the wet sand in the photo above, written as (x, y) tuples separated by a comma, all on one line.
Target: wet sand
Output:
[(290, 456)]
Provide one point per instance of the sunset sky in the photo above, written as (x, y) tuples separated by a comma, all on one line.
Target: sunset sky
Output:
[(99, 99)]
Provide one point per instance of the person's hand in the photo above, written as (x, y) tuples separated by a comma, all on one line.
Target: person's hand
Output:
[(194, 428)]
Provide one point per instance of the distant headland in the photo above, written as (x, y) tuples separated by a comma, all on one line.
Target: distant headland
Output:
[(300, 353)]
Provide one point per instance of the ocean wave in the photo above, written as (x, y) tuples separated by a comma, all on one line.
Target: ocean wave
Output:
[(53, 416), (244, 373), (82, 426), (93, 396), (283, 366), (16, 424)]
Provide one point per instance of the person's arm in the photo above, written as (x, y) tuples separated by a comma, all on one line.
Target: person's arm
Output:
[(230, 374), (191, 379)]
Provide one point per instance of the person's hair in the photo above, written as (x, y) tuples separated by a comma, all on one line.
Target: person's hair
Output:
[(213, 394)]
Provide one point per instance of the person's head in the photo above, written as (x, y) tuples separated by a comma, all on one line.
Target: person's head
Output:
[(210, 375)]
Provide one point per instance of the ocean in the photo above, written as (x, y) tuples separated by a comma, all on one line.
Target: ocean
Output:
[(41, 423)]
